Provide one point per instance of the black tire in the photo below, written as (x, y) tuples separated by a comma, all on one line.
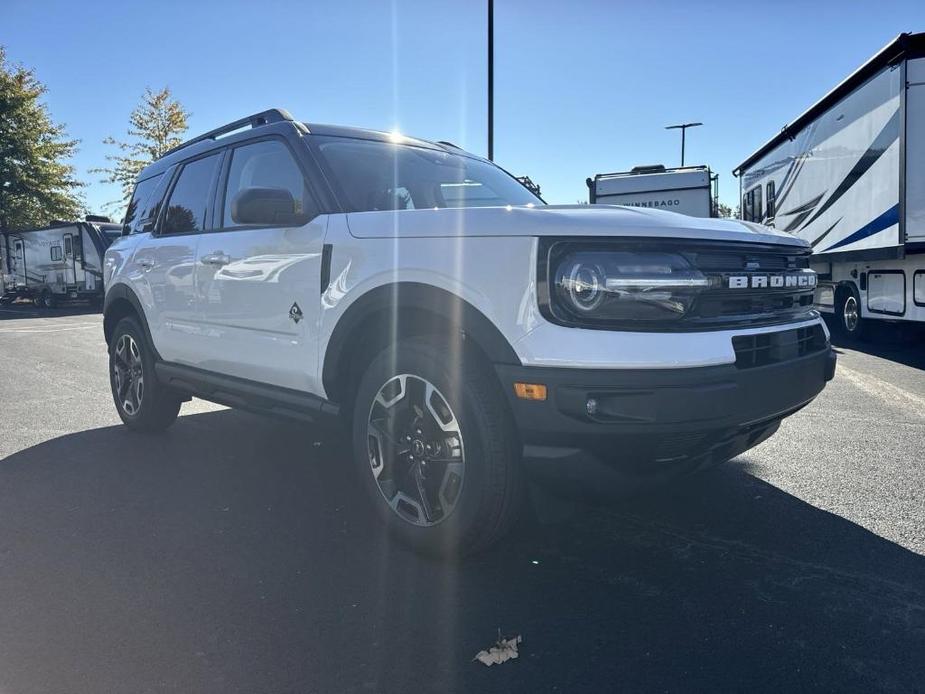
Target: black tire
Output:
[(156, 408), (491, 494), (39, 300), (848, 321), (50, 300)]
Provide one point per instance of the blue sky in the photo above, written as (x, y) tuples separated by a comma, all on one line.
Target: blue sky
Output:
[(581, 87)]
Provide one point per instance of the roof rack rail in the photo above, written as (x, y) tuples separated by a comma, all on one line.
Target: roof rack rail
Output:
[(273, 115), (450, 144)]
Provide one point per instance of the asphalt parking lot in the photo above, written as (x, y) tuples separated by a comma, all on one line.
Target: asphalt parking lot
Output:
[(231, 554)]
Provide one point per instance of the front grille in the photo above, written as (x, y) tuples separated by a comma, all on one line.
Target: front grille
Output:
[(771, 348), (725, 306)]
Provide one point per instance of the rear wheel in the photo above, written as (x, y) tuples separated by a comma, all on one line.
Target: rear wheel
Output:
[(39, 299), (435, 449), (848, 315), (142, 402)]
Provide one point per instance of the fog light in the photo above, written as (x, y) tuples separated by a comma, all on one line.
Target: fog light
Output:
[(592, 406), (530, 391)]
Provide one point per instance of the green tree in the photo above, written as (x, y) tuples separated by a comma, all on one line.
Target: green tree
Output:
[(37, 184), (723, 210), (155, 126)]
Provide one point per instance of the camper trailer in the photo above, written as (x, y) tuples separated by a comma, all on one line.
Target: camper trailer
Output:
[(848, 175), (62, 262), (690, 190)]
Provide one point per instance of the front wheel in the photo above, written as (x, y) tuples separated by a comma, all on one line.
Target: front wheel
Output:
[(435, 449), (143, 403)]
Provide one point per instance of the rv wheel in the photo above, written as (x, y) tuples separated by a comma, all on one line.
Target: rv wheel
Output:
[(50, 300), (39, 300), (848, 319)]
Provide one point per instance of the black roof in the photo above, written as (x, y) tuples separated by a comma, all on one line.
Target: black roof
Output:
[(903, 46), (273, 120)]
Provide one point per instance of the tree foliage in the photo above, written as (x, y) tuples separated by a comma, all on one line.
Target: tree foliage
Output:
[(155, 126), (37, 184), (723, 210)]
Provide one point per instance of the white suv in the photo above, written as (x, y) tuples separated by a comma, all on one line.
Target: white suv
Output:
[(465, 330)]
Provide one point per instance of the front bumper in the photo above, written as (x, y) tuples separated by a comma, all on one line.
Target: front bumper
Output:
[(660, 417)]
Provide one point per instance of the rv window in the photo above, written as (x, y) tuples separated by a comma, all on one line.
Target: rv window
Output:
[(772, 199), (747, 203), (756, 209), (142, 207), (186, 208), (68, 247), (56, 253)]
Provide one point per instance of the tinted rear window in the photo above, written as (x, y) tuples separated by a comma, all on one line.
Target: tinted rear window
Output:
[(141, 204), (189, 199)]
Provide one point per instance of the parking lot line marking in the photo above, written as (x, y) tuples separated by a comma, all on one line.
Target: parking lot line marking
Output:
[(884, 391)]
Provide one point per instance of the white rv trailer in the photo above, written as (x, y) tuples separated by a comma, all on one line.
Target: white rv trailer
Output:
[(56, 263), (688, 190), (848, 175)]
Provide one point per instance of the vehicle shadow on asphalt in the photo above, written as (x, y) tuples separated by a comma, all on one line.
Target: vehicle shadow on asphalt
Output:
[(22, 311), (899, 343), (233, 554)]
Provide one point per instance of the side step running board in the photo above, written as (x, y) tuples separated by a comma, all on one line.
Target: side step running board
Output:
[(244, 394)]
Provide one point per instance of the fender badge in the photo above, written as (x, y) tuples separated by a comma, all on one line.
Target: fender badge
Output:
[(295, 313)]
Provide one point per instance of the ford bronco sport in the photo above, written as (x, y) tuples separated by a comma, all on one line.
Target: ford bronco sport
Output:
[(465, 329)]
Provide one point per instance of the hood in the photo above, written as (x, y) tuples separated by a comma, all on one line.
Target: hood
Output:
[(559, 220)]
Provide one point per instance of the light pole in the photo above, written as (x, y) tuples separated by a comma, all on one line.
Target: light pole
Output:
[(683, 127), (491, 80)]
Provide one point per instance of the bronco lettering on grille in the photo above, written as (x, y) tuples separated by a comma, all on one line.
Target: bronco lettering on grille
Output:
[(804, 280)]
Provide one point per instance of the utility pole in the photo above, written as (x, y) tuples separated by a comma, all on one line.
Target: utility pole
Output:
[(491, 80), (683, 127)]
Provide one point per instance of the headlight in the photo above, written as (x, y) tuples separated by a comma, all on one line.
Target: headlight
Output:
[(608, 286)]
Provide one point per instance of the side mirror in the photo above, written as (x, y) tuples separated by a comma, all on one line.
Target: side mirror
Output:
[(265, 207)]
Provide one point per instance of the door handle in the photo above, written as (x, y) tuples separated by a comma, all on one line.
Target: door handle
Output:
[(217, 258), (145, 263)]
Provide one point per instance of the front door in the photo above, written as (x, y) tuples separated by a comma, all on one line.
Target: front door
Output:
[(19, 263), (259, 287), (70, 261)]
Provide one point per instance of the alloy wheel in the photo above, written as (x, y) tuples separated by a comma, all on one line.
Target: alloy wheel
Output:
[(128, 374), (416, 452)]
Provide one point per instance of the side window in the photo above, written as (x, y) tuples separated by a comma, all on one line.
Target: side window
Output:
[(55, 253), (757, 210), (68, 247), (140, 206), (747, 201), (772, 199), (267, 164), (186, 208)]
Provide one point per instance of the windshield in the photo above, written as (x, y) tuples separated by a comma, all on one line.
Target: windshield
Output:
[(385, 176)]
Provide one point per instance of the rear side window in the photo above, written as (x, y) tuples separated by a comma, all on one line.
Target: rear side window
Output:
[(55, 252), (267, 164), (189, 199), (141, 205)]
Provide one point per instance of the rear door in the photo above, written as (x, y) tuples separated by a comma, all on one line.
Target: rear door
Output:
[(163, 265), (259, 286)]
